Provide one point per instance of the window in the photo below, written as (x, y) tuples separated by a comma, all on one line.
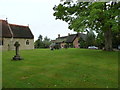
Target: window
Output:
[(1, 42), (27, 42)]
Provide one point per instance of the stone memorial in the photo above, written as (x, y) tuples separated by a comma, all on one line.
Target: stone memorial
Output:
[(17, 56)]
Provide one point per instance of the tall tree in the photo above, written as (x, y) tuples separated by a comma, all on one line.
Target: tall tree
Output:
[(99, 16), (40, 37), (46, 42), (39, 43)]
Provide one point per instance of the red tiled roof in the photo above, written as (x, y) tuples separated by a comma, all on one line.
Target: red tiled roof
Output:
[(18, 25), (19, 31), (5, 29)]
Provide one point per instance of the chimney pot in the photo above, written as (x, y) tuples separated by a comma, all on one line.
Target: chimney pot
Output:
[(58, 35), (6, 19)]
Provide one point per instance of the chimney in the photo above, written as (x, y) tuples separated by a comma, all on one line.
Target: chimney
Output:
[(58, 35), (68, 34), (6, 19)]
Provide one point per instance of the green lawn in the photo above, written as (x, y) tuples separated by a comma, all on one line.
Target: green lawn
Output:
[(66, 68)]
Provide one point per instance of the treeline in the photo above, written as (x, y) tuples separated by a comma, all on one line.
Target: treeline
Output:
[(91, 39), (98, 40), (42, 42)]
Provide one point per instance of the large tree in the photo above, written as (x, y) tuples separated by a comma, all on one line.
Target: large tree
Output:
[(99, 16)]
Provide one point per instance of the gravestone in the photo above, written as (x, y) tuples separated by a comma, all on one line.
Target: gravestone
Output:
[(17, 56)]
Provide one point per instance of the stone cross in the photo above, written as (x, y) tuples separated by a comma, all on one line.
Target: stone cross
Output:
[(17, 56), (17, 47)]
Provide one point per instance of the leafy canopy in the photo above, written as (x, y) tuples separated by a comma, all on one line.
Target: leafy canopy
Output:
[(98, 16)]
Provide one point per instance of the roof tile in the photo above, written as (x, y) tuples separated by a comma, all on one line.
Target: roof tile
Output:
[(19, 31)]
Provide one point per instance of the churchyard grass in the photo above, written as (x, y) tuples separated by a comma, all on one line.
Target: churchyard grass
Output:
[(65, 68)]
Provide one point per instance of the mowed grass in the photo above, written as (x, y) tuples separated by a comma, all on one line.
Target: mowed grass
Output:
[(65, 68)]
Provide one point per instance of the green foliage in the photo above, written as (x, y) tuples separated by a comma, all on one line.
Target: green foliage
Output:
[(99, 42), (83, 43), (39, 44), (98, 16), (40, 37), (116, 39), (90, 39), (46, 42), (42, 43)]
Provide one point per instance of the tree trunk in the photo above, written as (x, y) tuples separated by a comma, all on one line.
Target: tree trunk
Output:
[(108, 40)]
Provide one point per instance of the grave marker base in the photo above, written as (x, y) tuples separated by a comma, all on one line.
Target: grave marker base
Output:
[(17, 57)]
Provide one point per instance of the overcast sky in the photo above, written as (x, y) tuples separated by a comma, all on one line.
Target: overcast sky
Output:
[(37, 13)]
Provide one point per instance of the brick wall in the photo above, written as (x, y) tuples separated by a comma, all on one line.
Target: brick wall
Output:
[(75, 43)]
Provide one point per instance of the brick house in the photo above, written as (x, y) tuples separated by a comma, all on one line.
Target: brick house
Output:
[(10, 33), (70, 40)]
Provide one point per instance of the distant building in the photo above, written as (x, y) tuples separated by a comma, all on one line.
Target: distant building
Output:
[(72, 40), (10, 33)]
